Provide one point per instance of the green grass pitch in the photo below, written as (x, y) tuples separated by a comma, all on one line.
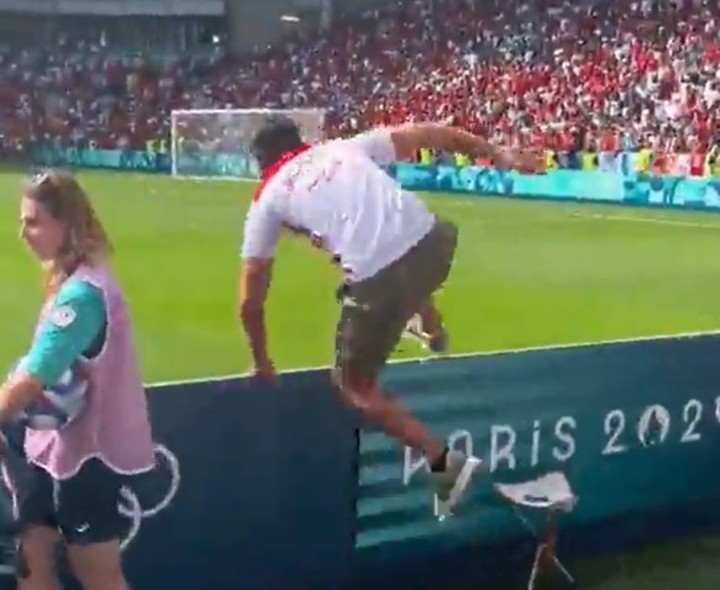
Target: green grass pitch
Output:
[(526, 274)]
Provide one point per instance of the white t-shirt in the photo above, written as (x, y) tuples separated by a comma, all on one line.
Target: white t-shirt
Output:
[(338, 194)]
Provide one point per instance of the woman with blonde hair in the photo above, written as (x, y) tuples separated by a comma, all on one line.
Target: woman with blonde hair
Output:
[(77, 471)]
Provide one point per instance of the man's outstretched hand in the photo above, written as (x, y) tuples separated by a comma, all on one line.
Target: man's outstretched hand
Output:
[(266, 373), (524, 161)]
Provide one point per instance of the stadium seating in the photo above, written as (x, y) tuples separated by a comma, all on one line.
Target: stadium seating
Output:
[(551, 73)]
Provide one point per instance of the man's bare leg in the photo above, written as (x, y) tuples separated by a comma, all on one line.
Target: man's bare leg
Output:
[(450, 471), (388, 414)]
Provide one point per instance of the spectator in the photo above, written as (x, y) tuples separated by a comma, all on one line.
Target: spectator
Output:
[(529, 72)]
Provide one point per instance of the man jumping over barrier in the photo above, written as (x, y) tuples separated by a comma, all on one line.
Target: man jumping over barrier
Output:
[(395, 254)]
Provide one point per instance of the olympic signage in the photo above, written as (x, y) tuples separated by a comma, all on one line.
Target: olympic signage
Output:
[(591, 186), (143, 497), (166, 483), (615, 418), (623, 432)]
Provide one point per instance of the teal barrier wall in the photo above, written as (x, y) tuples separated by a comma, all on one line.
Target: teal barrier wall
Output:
[(49, 155), (274, 488), (617, 419), (189, 164), (574, 185), (619, 186)]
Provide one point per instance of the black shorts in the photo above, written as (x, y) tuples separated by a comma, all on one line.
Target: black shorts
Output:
[(376, 310), (84, 508)]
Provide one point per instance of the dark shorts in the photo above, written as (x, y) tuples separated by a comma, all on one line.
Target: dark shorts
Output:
[(84, 508), (376, 310)]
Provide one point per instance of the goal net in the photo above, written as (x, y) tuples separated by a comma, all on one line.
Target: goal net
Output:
[(216, 143)]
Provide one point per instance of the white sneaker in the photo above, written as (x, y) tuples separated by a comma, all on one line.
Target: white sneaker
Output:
[(437, 343), (451, 484)]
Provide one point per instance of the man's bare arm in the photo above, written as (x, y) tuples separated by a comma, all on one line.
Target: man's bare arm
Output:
[(255, 278), (410, 138)]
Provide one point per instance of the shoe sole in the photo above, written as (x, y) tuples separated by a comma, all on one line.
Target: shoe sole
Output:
[(460, 485), (419, 337), (424, 339)]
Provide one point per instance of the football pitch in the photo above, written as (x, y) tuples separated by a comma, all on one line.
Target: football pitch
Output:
[(526, 274)]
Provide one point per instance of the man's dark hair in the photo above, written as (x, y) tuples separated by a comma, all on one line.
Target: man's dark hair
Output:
[(277, 136)]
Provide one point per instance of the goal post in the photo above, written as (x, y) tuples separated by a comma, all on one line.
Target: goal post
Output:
[(215, 143)]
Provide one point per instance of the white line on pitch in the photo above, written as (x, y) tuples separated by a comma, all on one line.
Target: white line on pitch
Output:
[(484, 354), (651, 220)]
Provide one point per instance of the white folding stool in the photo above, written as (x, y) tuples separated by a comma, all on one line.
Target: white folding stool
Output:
[(550, 494)]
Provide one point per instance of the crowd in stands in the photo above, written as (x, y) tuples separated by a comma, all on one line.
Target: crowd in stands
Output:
[(558, 74)]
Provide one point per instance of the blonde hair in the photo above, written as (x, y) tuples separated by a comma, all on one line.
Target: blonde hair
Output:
[(86, 241)]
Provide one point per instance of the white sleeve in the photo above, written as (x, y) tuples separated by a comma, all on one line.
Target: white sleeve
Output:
[(376, 144), (262, 232)]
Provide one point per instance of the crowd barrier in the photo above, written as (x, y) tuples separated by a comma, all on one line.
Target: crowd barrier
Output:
[(574, 185), (618, 184), (270, 488), (129, 160), (139, 161)]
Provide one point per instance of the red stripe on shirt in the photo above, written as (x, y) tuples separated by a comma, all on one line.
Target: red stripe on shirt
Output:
[(271, 171)]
